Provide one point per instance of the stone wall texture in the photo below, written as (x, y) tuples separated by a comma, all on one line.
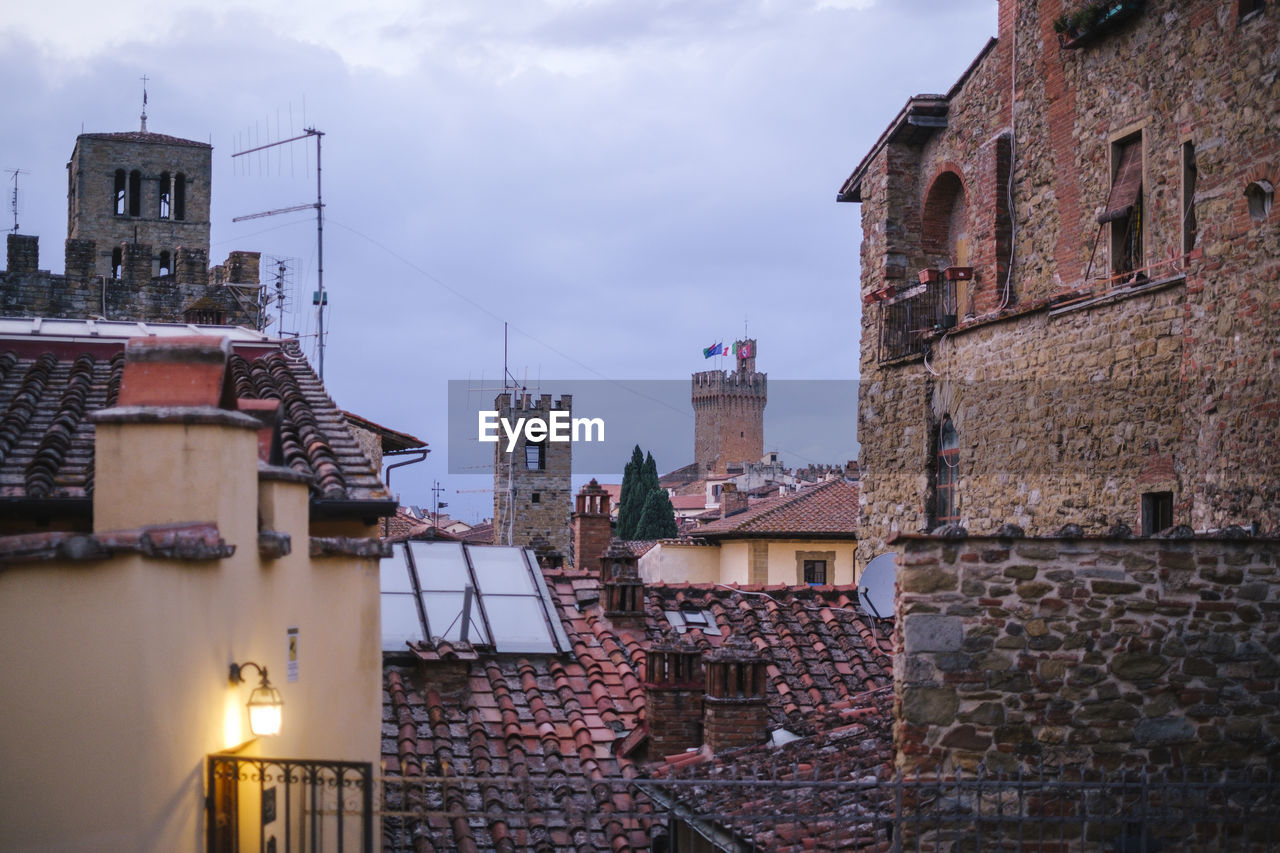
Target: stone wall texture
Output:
[(1072, 394), (531, 504), (1093, 652), (91, 193), (728, 416)]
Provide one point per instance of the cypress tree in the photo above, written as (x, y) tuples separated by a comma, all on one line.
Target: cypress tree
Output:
[(658, 519), (631, 501), (650, 478)]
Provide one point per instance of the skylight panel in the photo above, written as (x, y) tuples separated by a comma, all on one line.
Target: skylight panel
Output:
[(684, 619), (444, 617), (502, 570), (441, 565), (519, 624), (400, 622), (394, 573)]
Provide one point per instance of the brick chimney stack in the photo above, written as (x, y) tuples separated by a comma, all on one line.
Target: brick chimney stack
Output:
[(621, 589), (735, 711), (732, 501), (673, 690), (591, 529)]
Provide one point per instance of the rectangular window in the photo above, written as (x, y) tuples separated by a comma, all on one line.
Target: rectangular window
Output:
[(1157, 512), (163, 212), (135, 193), (119, 192), (1248, 7), (1124, 206), (815, 571), (535, 456), (535, 497)]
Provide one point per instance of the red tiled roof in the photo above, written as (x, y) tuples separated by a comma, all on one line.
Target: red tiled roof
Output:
[(393, 441), (827, 509), (480, 534), (48, 388), (689, 501), (853, 744), (522, 753)]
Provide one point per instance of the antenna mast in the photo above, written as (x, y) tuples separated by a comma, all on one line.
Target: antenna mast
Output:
[(13, 199), (320, 299)]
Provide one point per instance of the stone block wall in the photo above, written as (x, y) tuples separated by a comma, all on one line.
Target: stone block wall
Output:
[(1169, 386), (1091, 652), (23, 253), (531, 504), (91, 206), (728, 416)]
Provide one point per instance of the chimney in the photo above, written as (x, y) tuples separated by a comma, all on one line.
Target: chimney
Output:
[(673, 688), (591, 531), (621, 589), (137, 262), (732, 501), (242, 267), (174, 449), (24, 254), (735, 711)]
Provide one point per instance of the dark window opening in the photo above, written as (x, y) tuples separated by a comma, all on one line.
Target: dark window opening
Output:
[(180, 197), (944, 241), (135, 193), (1260, 195), (166, 187), (535, 497), (204, 317), (695, 618), (1157, 512), (535, 456), (117, 263), (165, 264), (119, 196), (1189, 175), (1248, 7), (1124, 207), (815, 571), (947, 502)]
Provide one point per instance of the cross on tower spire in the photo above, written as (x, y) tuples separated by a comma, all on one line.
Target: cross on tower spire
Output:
[(144, 103)]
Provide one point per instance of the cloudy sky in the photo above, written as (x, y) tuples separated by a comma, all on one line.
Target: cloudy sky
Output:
[(624, 182)]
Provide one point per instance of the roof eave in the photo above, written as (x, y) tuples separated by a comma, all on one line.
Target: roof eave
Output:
[(849, 535), (369, 511)]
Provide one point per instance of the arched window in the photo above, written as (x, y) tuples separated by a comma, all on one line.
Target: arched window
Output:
[(165, 264), (180, 197), (945, 225), (1259, 195), (948, 504), (117, 263), (165, 197), (135, 193), (119, 194)]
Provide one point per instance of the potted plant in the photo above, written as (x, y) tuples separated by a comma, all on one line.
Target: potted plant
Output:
[(930, 276)]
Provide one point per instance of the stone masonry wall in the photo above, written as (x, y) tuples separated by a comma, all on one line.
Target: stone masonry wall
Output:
[(531, 504), (91, 206), (1078, 395), (728, 411), (1099, 653)]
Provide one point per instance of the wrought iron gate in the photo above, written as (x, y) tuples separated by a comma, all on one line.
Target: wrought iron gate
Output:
[(282, 805)]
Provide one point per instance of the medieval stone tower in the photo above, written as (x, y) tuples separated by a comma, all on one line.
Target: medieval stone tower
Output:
[(728, 414), (532, 494), (137, 204)]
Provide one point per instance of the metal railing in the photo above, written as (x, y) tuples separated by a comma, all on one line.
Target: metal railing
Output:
[(281, 805), (910, 315), (808, 807)]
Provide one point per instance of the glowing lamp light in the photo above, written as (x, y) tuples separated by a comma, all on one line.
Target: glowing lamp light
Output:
[(266, 708)]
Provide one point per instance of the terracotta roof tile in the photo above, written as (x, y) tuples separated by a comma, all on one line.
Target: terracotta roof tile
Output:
[(46, 438), (829, 508), (534, 752)]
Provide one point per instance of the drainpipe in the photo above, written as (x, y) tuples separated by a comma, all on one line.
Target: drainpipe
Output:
[(422, 455)]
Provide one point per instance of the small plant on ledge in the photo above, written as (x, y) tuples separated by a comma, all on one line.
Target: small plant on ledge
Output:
[(1093, 20)]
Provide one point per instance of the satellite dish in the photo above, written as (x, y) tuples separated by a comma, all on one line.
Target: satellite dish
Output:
[(877, 583)]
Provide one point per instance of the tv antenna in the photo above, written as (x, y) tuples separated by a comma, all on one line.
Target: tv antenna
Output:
[(13, 198), (319, 299)]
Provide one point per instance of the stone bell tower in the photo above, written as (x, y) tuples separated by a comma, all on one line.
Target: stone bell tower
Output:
[(728, 413)]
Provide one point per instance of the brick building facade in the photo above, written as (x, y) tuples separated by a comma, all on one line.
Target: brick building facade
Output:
[(137, 243), (728, 414), (532, 493), (1070, 272)]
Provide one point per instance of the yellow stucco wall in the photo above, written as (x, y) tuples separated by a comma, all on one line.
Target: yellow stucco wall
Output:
[(115, 671), (729, 562)]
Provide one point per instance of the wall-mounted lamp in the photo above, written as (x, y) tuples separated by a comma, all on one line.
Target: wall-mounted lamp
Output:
[(266, 708)]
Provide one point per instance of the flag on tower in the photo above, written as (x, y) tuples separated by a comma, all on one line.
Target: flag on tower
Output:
[(714, 349)]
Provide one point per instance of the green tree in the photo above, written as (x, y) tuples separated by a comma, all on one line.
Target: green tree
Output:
[(658, 519), (631, 501)]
